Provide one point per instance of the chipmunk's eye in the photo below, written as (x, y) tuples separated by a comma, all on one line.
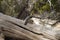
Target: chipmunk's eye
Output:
[(30, 21)]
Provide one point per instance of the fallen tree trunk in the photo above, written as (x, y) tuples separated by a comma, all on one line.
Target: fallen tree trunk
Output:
[(13, 27), (10, 29)]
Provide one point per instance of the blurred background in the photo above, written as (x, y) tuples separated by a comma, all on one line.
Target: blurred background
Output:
[(23, 8)]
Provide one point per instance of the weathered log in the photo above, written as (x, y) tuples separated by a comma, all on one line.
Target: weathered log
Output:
[(19, 22), (12, 30), (13, 27)]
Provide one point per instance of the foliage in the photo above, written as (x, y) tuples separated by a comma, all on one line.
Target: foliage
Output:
[(42, 6), (14, 7)]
